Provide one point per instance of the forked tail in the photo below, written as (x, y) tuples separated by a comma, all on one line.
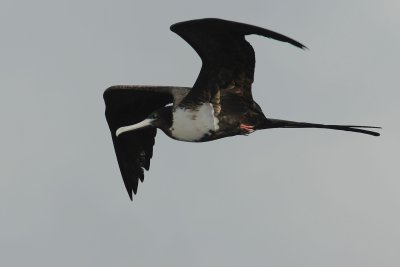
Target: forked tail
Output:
[(274, 123)]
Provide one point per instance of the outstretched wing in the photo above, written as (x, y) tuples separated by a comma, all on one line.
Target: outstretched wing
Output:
[(126, 105), (228, 59)]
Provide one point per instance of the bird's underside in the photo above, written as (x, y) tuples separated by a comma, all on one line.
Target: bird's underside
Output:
[(219, 104)]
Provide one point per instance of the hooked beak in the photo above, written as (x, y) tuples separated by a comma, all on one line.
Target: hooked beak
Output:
[(143, 124)]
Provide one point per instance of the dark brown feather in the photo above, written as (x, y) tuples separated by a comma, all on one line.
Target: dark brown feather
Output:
[(126, 105), (228, 59)]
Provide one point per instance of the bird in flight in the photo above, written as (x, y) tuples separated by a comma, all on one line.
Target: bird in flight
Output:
[(220, 103)]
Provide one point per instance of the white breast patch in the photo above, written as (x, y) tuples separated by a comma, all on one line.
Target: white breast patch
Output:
[(192, 125)]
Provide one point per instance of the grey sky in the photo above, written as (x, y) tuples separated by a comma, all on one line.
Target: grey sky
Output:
[(275, 198)]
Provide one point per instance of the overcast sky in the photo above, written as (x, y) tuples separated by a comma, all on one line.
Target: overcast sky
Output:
[(281, 197)]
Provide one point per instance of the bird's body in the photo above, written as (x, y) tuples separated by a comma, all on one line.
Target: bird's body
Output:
[(220, 103)]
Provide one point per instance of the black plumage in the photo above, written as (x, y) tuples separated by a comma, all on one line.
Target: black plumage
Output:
[(220, 103), (127, 105)]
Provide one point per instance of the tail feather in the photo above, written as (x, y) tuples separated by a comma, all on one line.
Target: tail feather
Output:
[(274, 123)]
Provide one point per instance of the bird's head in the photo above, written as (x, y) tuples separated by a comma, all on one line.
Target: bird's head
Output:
[(161, 118)]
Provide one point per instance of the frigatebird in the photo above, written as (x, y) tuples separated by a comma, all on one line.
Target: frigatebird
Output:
[(220, 103)]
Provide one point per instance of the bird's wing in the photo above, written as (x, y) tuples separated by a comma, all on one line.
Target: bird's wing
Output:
[(126, 105), (228, 59)]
